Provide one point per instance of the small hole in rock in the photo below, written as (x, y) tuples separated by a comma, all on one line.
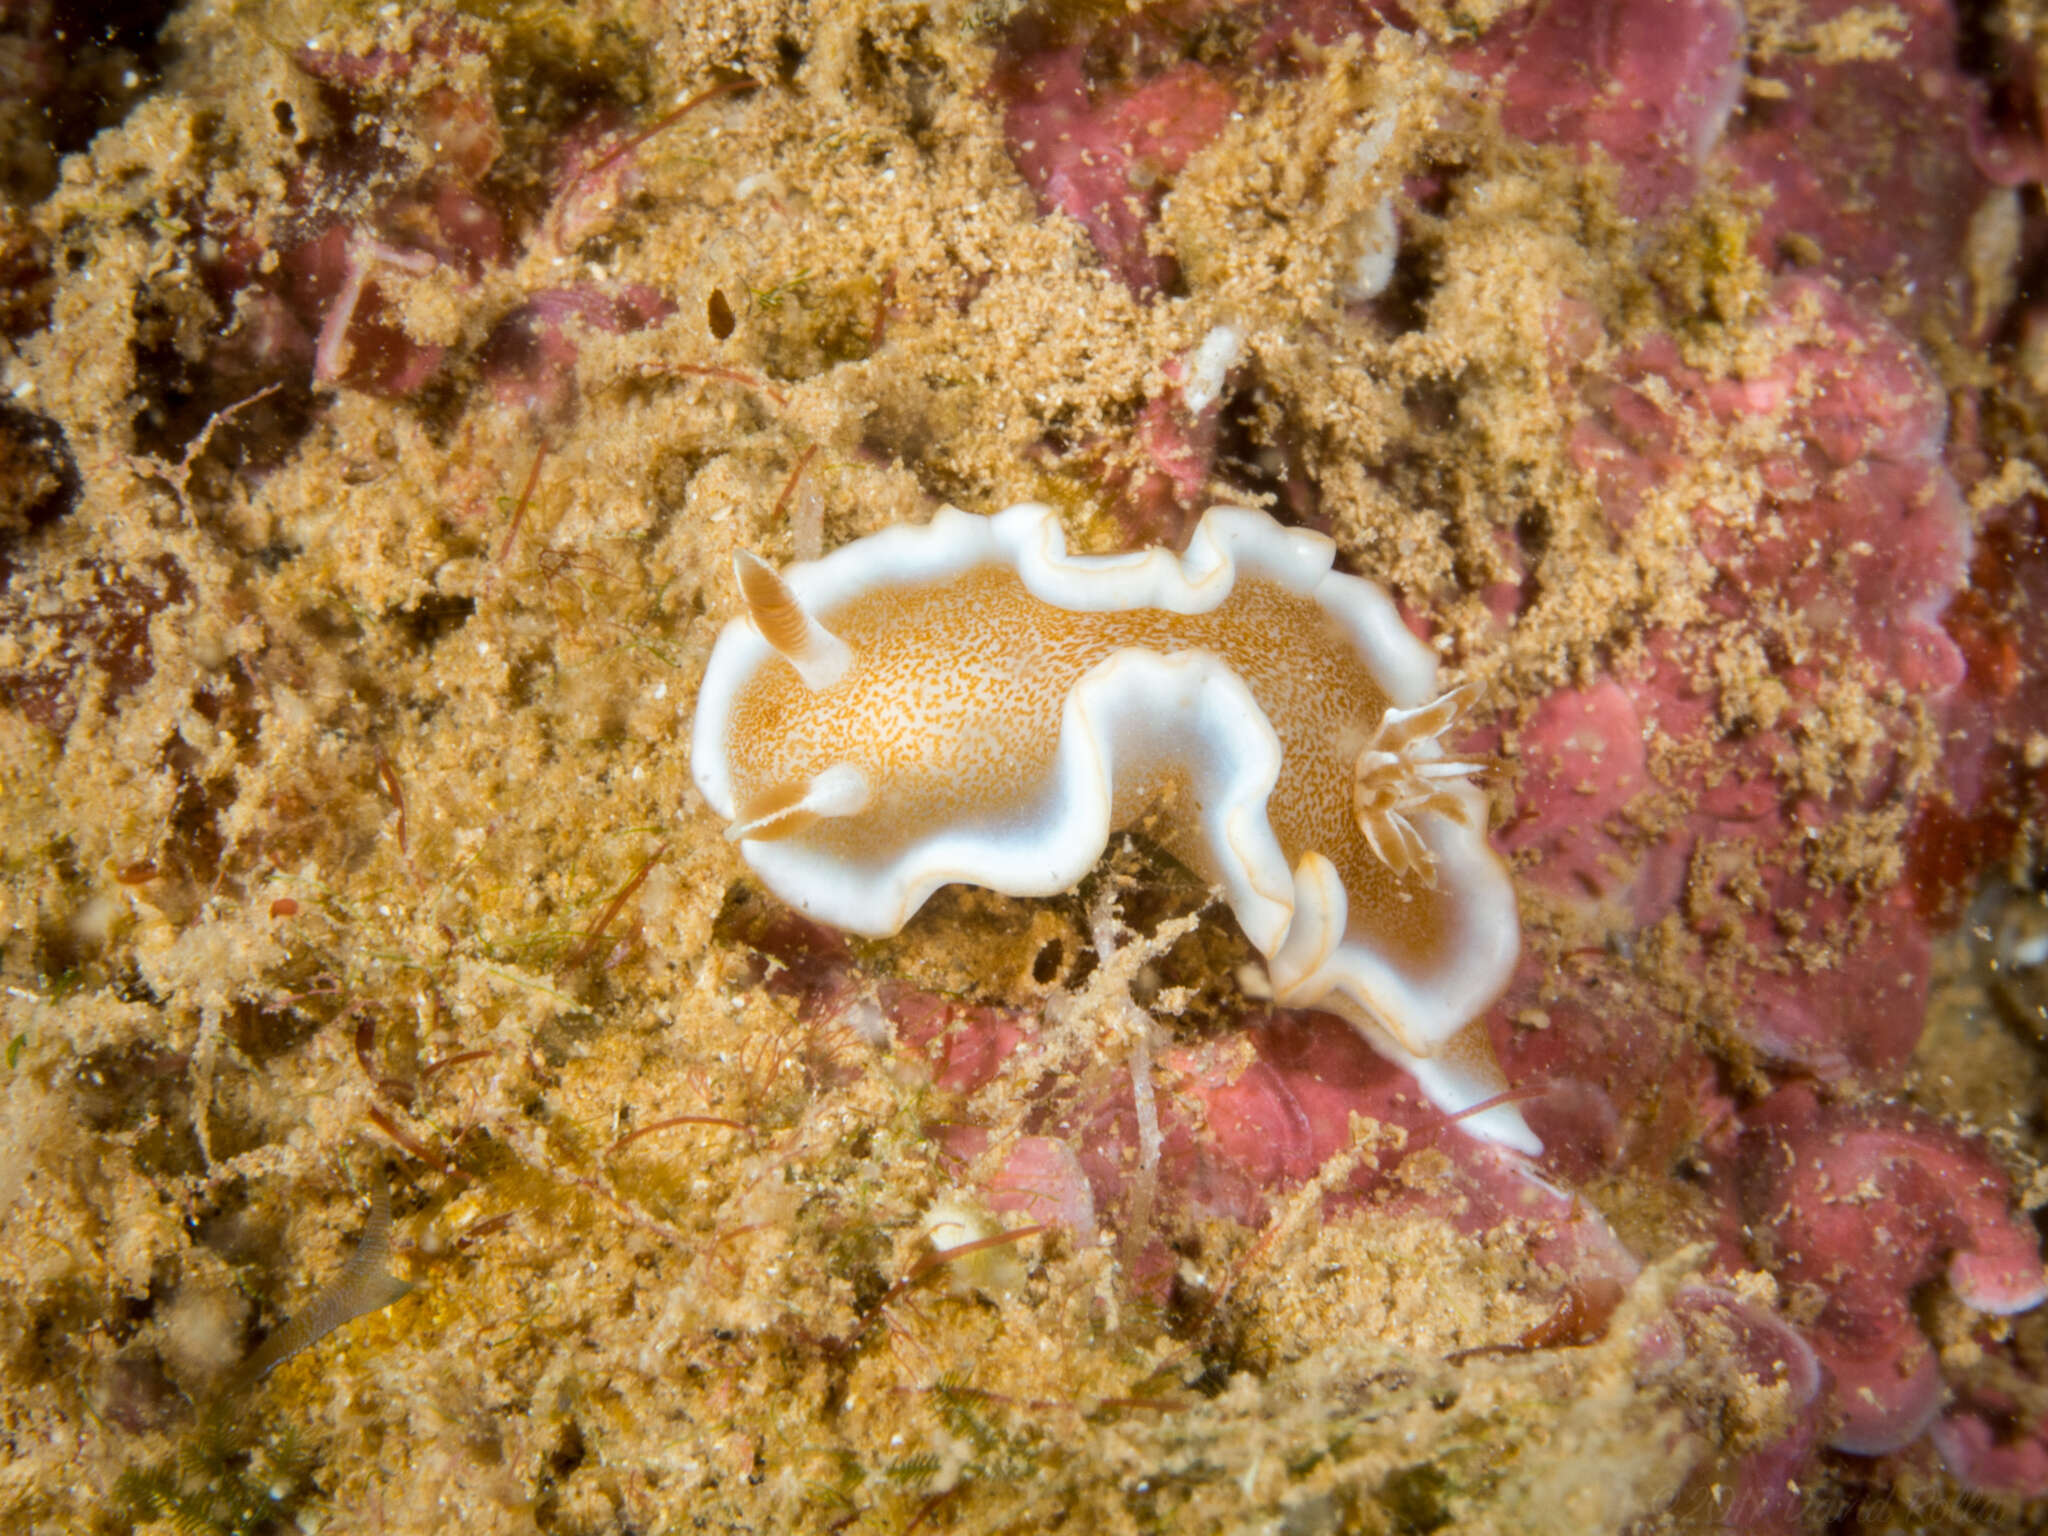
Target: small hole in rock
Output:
[(1045, 970)]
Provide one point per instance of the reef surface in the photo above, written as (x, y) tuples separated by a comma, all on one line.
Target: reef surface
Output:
[(383, 394)]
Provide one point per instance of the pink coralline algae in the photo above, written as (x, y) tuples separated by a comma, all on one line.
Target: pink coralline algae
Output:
[(1837, 577), (1249, 1116), (1638, 805), (1652, 86), (1105, 158), (1278, 1120), (1862, 1206), (530, 357), (1661, 90), (1888, 210)]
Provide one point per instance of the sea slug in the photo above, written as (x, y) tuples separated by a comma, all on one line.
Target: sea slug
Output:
[(965, 701)]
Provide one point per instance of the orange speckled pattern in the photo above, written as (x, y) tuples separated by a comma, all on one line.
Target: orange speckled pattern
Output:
[(952, 709)]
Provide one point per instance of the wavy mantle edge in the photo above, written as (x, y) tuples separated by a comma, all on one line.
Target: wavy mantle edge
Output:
[(1131, 710)]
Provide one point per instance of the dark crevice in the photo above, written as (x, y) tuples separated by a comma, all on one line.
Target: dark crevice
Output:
[(38, 477), (1980, 50), (1050, 961), (1403, 306), (85, 66), (1259, 451), (178, 397), (434, 617)]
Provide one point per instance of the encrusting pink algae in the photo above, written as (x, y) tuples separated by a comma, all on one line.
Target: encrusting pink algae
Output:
[(415, 1114)]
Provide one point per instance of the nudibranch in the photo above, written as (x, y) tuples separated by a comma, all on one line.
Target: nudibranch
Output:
[(967, 702)]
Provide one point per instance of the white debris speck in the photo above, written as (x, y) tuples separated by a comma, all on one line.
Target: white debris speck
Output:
[(954, 1221), (1213, 360), (1374, 144), (1371, 238), (1375, 237), (865, 1018)]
